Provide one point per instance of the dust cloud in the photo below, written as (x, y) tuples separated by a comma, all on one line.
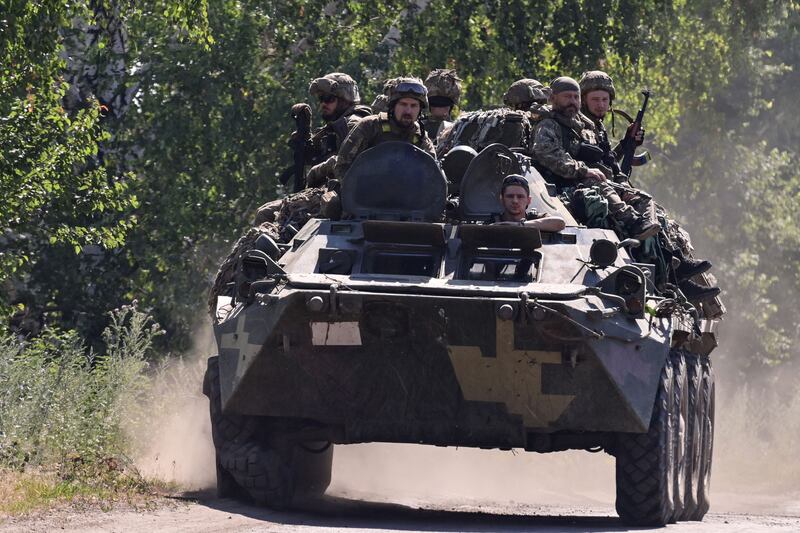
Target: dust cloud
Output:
[(173, 442), (755, 466)]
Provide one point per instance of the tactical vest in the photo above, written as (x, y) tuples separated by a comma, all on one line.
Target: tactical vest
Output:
[(327, 140), (570, 138), (388, 135)]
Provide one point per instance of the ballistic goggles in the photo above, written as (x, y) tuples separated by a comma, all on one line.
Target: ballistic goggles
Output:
[(411, 88)]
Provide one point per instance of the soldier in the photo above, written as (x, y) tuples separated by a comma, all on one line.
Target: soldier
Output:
[(597, 97), (339, 100), (525, 94), (339, 107), (515, 197), (444, 92), (401, 123), (560, 141)]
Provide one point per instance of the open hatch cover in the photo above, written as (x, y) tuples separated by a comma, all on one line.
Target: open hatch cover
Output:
[(395, 181)]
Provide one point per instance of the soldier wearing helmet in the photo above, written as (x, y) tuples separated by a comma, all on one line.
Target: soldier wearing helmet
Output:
[(407, 99), (526, 93), (565, 150), (597, 96), (339, 99), (444, 92)]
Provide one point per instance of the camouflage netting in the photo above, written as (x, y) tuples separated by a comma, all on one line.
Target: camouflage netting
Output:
[(272, 219), (223, 283)]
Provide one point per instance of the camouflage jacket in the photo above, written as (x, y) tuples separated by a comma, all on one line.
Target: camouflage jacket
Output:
[(327, 140), (556, 143), (374, 130)]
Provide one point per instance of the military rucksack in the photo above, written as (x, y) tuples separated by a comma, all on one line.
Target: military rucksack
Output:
[(479, 129)]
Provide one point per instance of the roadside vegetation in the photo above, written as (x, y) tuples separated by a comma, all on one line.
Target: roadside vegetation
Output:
[(138, 138), (64, 412)]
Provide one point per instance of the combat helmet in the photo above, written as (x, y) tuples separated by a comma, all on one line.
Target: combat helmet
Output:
[(337, 84), (409, 88), (444, 87), (526, 91), (597, 80)]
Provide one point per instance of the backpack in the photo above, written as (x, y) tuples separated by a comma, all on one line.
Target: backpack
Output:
[(479, 129)]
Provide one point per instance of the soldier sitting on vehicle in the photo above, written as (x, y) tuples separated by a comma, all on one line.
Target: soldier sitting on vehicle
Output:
[(444, 92), (338, 103), (515, 197), (597, 96), (401, 123), (559, 141), (338, 98)]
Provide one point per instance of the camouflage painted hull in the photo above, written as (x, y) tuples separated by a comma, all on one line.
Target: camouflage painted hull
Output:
[(409, 368)]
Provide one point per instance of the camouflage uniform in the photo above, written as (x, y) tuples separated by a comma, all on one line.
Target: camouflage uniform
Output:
[(381, 128), (444, 90), (556, 146), (326, 141), (374, 130)]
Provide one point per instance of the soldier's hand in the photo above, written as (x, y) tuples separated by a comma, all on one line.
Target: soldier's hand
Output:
[(639, 137), (595, 174), (301, 111)]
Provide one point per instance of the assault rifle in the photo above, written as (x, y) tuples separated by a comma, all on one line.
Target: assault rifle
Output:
[(301, 113), (628, 144)]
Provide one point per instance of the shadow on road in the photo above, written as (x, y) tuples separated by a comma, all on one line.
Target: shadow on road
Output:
[(339, 512)]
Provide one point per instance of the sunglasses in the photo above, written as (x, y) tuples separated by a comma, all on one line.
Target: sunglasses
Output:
[(327, 98)]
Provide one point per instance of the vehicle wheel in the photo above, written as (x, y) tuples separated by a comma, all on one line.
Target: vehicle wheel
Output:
[(261, 464), (645, 465), (680, 396), (708, 392), (694, 435)]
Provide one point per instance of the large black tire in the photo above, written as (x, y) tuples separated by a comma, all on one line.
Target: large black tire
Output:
[(680, 408), (708, 393), (694, 436), (260, 465), (645, 463)]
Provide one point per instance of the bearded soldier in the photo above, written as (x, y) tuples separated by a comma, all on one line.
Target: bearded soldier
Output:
[(444, 92), (597, 97), (401, 123), (560, 144), (339, 100)]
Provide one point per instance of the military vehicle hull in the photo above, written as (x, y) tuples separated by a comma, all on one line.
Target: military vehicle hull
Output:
[(459, 334)]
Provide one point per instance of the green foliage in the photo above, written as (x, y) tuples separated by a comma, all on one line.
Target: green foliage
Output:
[(61, 405), (203, 138)]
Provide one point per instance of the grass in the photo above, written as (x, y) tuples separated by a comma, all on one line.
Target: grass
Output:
[(63, 410)]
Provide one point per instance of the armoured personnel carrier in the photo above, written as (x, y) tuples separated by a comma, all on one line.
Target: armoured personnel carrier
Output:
[(399, 325)]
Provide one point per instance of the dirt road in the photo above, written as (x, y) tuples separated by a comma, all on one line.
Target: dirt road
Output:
[(380, 487), (351, 513)]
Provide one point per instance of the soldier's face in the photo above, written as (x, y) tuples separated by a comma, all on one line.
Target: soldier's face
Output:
[(597, 103), (567, 102), (440, 113), (406, 111), (515, 201), (328, 107)]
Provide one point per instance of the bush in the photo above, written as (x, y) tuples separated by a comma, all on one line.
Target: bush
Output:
[(64, 406)]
